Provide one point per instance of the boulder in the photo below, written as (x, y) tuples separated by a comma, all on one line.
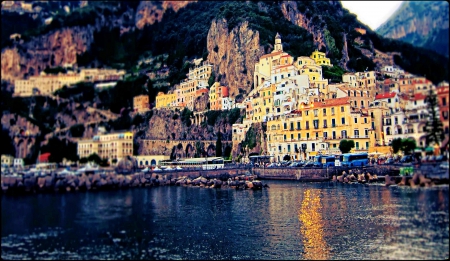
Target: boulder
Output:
[(257, 184)]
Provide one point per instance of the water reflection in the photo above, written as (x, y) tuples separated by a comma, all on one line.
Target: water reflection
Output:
[(310, 217)]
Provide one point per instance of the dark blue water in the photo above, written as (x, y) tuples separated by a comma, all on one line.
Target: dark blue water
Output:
[(289, 220)]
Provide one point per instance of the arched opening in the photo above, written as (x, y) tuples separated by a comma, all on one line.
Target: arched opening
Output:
[(153, 162)]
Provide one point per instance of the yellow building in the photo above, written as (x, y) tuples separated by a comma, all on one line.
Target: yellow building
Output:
[(7, 160), (162, 100), (318, 127), (320, 58), (107, 146)]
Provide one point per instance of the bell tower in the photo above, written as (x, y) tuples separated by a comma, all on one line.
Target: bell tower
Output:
[(278, 46)]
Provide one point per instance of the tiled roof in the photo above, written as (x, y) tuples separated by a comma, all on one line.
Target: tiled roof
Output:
[(385, 95), (331, 102), (419, 96), (270, 55)]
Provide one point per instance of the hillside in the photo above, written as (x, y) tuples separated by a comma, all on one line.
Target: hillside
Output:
[(423, 24), (231, 36)]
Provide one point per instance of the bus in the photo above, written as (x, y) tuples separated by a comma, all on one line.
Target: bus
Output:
[(328, 161), (355, 159), (194, 163)]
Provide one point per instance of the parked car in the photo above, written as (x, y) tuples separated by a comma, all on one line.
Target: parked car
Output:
[(441, 158), (389, 161), (444, 165), (407, 159), (308, 164)]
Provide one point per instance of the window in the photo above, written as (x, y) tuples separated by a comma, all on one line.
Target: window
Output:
[(356, 120), (365, 120), (313, 147), (343, 120), (332, 111), (285, 125), (316, 124), (389, 100), (292, 136), (306, 113), (307, 135), (289, 148), (284, 137), (333, 123), (334, 135), (356, 133), (317, 135), (279, 148), (324, 112), (307, 125), (298, 125), (444, 101), (344, 134), (325, 134), (357, 145), (316, 112), (362, 103), (299, 136), (342, 109), (324, 123), (445, 115)]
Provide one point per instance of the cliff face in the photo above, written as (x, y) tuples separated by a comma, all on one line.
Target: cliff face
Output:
[(54, 49), (291, 13), (423, 24), (234, 54), (149, 12)]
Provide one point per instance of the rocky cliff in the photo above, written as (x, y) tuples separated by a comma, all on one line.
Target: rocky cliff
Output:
[(53, 49), (234, 54), (423, 24), (149, 12)]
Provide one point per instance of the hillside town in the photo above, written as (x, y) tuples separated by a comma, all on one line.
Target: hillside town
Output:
[(306, 115)]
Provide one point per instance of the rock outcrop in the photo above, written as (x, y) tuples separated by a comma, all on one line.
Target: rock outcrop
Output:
[(57, 48), (234, 54), (149, 12)]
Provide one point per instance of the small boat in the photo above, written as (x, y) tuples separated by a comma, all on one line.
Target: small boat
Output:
[(146, 170), (178, 168), (157, 169)]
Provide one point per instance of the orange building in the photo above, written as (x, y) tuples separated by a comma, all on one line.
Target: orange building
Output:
[(443, 100)]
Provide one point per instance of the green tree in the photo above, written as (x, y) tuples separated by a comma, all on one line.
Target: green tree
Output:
[(219, 145), (408, 145), (433, 128), (346, 145), (396, 145), (83, 160), (94, 157)]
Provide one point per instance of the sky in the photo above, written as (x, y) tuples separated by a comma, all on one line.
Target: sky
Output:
[(372, 13)]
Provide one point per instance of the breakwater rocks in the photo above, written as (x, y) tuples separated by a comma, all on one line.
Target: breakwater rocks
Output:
[(357, 176), (416, 180), (54, 182)]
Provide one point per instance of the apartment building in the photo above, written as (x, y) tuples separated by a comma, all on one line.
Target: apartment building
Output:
[(443, 100), (320, 58), (317, 127), (141, 103), (107, 146)]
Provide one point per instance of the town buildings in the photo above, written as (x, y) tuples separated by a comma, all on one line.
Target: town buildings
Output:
[(141, 104), (113, 146), (47, 84)]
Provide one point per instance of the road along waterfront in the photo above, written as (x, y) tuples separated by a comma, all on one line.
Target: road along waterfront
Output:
[(288, 220)]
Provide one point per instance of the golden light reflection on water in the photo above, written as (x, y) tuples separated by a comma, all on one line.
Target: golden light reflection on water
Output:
[(311, 228)]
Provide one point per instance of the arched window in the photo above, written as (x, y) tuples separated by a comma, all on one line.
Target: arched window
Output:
[(146, 163), (153, 162)]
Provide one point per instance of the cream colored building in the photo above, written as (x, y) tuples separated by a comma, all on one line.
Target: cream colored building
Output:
[(141, 103), (107, 146)]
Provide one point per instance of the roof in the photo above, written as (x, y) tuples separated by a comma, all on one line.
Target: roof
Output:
[(385, 95), (419, 96), (270, 54), (331, 102)]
